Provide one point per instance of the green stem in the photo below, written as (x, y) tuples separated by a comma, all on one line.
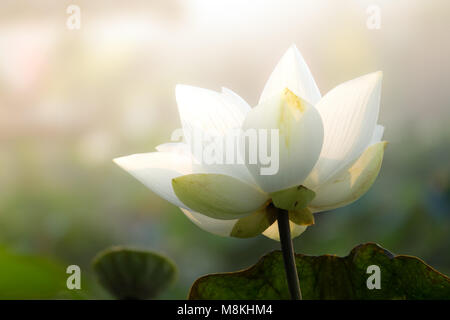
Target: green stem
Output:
[(288, 255)]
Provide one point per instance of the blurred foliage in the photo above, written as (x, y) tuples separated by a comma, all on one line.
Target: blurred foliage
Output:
[(30, 277), (329, 278)]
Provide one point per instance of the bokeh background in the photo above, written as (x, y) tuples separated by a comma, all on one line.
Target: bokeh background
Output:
[(71, 100)]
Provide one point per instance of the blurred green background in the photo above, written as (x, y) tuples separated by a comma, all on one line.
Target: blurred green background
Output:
[(71, 100)]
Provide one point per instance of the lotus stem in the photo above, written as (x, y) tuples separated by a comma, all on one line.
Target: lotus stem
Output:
[(288, 255)]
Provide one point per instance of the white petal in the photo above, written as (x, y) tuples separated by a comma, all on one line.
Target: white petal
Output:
[(215, 226), (209, 117), (292, 72), (300, 140), (156, 170), (236, 100), (179, 148), (377, 134), (349, 113), (350, 184), (208, 111), (272, 231), (238, 171)]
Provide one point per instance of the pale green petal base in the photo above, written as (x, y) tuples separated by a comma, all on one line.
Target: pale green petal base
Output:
[(295, 198), (302, 217), (218, 196), (255, 223), (272, 231)]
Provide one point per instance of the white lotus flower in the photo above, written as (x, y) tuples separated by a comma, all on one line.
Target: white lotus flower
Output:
[(330, 145)]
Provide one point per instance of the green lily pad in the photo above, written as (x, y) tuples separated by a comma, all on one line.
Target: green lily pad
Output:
[(292, 199), (330, 277), (133, 274)]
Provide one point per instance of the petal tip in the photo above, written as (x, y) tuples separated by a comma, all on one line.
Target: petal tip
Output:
[(119, 161), (134, 162), (293, 47), (293, 54), (373, 79), (179, 88), (127, 163), (185, 91), (377, 75)]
